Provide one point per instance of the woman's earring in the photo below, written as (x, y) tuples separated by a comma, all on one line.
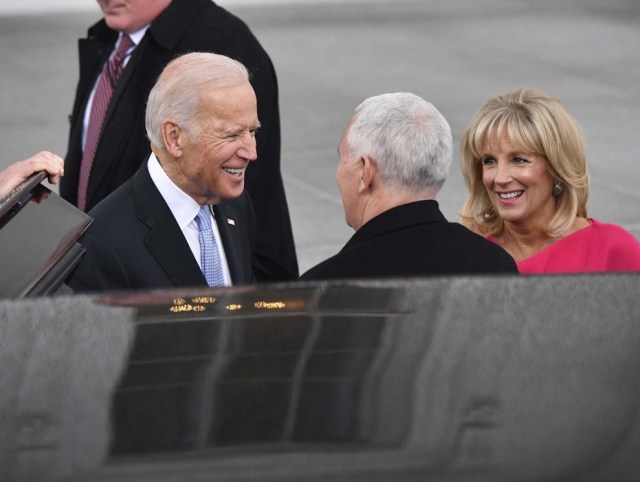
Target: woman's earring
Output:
[(558, 188), (488, 215)]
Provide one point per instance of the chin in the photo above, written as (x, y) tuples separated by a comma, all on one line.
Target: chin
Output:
[(114, 23), (510, 217), (231, 194), (506, 214)]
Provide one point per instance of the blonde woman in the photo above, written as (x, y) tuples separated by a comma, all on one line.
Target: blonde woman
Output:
[(523, 160)]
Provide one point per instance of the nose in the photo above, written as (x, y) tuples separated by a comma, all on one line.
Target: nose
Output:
[(248, 149), (502, 173)]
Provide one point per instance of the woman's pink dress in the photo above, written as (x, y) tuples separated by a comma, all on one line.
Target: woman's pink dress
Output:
[(596, 248)]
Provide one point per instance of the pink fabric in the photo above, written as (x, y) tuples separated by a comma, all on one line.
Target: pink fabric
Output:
[(596, 248), (101, 98)]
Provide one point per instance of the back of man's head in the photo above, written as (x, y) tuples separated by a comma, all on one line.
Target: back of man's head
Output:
[(176, 94), (407, 137)]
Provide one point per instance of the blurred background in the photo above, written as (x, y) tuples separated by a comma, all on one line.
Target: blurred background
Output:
[(330, 55)]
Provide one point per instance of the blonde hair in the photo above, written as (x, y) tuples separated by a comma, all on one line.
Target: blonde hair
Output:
[(534, 122)]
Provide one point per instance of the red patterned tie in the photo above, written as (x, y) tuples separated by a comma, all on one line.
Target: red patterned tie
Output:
[(106, 84)]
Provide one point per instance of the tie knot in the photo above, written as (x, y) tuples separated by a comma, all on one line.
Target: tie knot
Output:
[(125, 44), (203, 219)]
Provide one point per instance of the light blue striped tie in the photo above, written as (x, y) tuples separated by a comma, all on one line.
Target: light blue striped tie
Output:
[(209, 254)]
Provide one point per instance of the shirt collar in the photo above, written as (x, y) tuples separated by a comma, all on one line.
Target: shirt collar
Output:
[(136, 36), (183, 206)]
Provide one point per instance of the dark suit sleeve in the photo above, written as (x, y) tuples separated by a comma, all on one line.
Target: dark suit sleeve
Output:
[(99, 270)]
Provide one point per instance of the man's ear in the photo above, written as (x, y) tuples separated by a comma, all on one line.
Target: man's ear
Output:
[(173, 137), (368, 173)]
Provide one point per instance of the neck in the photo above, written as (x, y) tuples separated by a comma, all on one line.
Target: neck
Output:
[(521, 242), (172, 168), (376, 204)]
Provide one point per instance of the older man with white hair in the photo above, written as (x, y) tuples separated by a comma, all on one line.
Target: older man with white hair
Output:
[(120, 59), (184, 218), (394, 158)]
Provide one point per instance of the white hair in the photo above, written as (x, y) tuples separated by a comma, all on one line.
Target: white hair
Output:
[(408, 138), (176, 93)]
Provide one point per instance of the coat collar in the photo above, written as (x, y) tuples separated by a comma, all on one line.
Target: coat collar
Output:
[(101, 32), (399, 217), (169, 27)]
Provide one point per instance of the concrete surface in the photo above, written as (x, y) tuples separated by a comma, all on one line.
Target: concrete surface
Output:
[(331, 55)]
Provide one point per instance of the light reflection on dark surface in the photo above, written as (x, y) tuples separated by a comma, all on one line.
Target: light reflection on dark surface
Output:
[(442, 379)]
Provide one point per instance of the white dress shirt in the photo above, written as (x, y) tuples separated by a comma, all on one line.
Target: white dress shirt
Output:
[(185, 210)]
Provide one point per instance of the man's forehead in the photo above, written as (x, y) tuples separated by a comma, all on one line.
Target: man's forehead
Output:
[(228, 96), (228, 118), (232, 88)]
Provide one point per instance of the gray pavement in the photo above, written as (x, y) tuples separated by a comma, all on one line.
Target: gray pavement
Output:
[(329, 56)]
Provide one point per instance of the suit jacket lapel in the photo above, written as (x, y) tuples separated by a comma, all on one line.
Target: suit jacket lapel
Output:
[(226, 217), (93, 53), (115, 135), (165, 240), (125, 76)]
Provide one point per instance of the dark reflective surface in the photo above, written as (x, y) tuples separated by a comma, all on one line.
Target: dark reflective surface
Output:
[(476, 379), (38, 234)]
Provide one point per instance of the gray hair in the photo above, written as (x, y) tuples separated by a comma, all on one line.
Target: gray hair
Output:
[(409, 139), (176, 93)]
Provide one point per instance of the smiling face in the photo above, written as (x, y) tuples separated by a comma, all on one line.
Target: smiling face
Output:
[(518, 183), (131, 15), (213, 161)]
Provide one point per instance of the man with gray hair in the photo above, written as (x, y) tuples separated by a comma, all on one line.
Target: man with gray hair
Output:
[(121, 57), (184, 218), (394, 158)]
